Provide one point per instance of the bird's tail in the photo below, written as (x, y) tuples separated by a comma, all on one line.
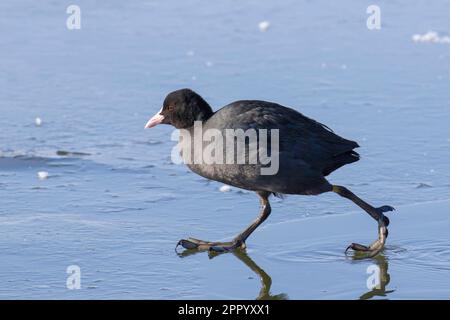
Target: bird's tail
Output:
[(341, 160)]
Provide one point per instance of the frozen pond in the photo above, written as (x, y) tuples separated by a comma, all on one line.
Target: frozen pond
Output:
[(115, 205)]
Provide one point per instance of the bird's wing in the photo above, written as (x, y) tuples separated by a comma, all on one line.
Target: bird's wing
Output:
[(300, 136)]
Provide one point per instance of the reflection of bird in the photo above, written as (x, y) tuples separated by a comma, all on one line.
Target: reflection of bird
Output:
[(385, 278), (306, 151), (266, 280)]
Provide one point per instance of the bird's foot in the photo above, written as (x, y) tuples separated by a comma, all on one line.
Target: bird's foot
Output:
[(376, 247), (381, 210), (196, 244)]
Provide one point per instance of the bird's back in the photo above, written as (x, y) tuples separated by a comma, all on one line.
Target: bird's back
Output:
[(307, 138)]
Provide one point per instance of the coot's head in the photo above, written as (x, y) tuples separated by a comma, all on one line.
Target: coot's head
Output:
[(180, 109)]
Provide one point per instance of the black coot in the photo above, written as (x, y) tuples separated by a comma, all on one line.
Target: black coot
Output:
[(304, 152)]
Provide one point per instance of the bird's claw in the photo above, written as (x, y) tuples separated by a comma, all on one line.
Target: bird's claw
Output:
[(227, 246), (382, 210), (357, 247), (385, 208), (219, 247), (362, 251), (377, 245), (186, 244)]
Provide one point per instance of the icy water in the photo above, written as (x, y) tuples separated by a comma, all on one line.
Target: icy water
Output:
[(115, 205)]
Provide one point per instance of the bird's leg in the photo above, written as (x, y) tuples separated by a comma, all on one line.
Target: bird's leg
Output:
[(376, 213), (239, 240)]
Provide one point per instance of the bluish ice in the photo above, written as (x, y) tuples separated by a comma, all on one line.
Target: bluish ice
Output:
[(114, 203)]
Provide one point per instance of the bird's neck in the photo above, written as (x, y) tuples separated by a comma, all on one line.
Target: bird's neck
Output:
[(204, 114)]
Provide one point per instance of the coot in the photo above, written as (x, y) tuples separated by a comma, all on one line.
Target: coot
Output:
[(301, 150)]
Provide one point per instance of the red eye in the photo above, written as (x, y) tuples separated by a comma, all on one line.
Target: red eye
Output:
[(171, 107)]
